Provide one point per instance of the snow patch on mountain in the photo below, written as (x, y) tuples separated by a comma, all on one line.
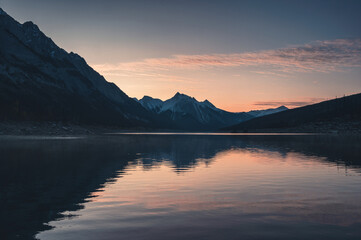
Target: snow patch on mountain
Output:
[(260, 113), (152, 104)]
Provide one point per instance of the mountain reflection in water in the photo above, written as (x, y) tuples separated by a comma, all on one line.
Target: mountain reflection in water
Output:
[(181, 187)]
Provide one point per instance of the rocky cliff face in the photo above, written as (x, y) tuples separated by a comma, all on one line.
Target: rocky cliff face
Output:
[(41, 81)]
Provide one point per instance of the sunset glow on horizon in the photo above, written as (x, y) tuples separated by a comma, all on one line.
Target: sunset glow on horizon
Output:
[(342, 56), (241, 56)]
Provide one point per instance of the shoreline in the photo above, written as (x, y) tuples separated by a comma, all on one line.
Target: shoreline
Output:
[(73, 130), (49, 129), (334, 127)]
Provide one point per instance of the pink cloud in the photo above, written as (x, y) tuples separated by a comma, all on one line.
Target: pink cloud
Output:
[(320, 56)]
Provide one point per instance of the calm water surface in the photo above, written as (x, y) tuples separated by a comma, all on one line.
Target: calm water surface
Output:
[(148, 186)]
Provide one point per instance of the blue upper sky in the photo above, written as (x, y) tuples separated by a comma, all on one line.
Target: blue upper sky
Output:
[(109, 33)]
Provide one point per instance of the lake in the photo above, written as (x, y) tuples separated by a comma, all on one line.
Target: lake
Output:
[(181, 186)]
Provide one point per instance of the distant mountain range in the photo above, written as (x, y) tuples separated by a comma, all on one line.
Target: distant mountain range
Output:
[(345, 112), (189, 114)]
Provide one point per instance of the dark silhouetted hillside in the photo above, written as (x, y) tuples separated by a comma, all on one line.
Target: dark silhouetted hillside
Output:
[(41, 82), (336, 111)]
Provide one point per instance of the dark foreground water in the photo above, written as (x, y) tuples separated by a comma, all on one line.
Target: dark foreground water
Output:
[(180, 187)]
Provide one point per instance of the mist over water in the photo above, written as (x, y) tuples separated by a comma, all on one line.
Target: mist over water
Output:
[(181, 187)]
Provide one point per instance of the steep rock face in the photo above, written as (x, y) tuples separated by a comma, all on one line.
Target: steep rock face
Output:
[(40, 81)]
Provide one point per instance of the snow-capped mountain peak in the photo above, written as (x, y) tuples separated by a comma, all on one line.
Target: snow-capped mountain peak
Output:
[(207, 103), (181, 96), (188, 112), (152, 104), (178, 103)]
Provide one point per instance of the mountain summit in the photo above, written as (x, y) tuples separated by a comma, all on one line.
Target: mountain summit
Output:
[(188, 113)]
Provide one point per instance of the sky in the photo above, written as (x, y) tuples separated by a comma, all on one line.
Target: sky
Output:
[(240, 55)]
